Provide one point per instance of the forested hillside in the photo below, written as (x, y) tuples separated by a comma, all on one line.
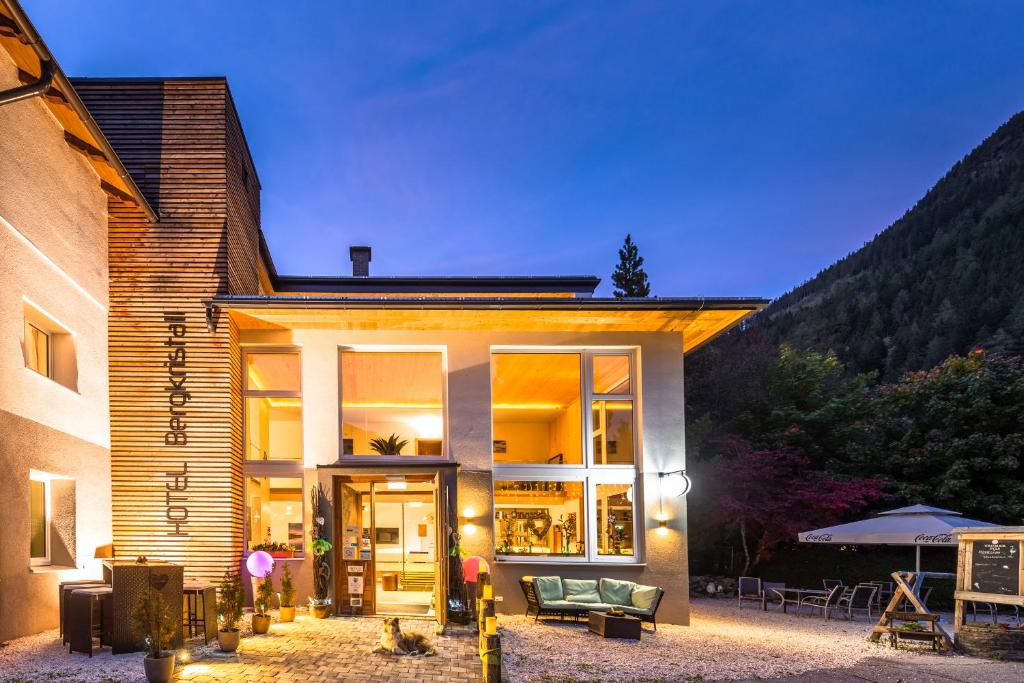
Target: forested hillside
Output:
[(944, 278), (893, 377)]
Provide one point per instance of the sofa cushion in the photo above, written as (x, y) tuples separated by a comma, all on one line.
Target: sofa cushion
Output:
[(592, 606), (616, 591), (643, 596), (581, 590), (549, 588)]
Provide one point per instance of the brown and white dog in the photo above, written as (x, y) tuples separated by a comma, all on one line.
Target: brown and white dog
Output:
[(394, 641)]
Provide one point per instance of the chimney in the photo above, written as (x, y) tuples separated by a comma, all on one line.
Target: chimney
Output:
[(360, 261)]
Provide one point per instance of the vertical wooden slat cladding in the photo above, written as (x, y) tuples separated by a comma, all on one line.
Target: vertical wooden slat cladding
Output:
[(177, 485)]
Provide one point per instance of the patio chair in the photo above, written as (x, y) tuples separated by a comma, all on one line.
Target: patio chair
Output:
[(749, 588), (829, 584), (862, 599), (773, 592), (826, 603)]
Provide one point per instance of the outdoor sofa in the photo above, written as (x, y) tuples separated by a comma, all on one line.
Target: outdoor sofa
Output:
[(558, 597)]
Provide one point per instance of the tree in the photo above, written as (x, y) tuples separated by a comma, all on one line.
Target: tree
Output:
[(767, 496), (629, 276), (952, 436)]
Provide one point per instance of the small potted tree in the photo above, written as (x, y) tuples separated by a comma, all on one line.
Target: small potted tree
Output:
[(154, 623), (261, 605), (229, 611), (287, 595)]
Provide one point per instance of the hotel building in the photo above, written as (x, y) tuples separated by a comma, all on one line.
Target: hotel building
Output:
[(521, 418)]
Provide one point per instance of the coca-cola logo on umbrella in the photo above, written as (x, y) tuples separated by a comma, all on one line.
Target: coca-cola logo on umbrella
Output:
[(933, 538), (819, 538)]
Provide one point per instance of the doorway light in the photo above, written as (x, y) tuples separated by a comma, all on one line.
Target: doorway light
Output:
[(397, 483)]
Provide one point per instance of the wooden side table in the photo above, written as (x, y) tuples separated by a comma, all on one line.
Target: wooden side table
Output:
[(608, 626)]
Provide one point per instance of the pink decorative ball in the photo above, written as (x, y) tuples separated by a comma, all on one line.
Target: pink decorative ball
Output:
[(259, 564)]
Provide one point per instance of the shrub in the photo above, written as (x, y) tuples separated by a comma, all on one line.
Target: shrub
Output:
[(287, 588), (229, 602)]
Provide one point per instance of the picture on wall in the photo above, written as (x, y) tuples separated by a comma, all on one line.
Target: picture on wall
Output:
[(500, 446)]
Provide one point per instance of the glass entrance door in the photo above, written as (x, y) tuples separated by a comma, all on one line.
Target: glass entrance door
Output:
[(391, 549), (405, 548)]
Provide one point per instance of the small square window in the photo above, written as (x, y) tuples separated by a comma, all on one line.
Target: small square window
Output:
[(274, 513), (611, 375), (37, 349)]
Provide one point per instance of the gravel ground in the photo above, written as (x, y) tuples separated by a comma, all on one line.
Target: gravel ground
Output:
[(722, 643)]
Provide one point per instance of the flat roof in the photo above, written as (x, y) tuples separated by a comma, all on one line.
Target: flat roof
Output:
[(698, 319)]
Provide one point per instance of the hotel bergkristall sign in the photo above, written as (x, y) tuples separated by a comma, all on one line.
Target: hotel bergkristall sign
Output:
[(176, 434)]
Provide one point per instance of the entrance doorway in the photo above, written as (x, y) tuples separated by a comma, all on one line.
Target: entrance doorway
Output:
[(391, 551)]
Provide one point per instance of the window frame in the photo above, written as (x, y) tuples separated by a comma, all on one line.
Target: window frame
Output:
[(278, 469), (49, 349), (257, 393), (46, 559), (394, 459), (590, 472), (269, 473)]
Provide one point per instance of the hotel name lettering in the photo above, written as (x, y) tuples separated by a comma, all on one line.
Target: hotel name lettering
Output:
[(176, 434)]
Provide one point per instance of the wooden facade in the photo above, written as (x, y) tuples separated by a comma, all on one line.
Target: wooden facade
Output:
[(176, 430)]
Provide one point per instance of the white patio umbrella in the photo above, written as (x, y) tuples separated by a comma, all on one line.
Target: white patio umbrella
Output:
[(916, 525)]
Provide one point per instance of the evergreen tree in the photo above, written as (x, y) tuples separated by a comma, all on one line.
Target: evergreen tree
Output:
[(629, 277)]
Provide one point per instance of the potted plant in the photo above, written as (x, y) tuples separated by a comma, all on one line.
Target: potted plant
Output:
[(392, 445), (261, 605), (152, 621), (276, 549), (287, 595), (320, 601), (229, 611)]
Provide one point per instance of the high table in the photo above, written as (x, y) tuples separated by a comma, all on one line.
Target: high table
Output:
[(130, 582)]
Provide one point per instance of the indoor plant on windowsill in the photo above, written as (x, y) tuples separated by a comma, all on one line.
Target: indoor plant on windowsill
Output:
[(278, 551), (229, 611), (153, 621), (287, 595), (261, 605)]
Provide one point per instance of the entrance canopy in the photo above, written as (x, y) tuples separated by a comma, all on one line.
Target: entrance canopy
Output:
[(916, 525)]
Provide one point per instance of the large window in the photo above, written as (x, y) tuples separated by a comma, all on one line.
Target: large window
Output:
[(273, 449), (39, 516), (273, 406), (536, 408), (392, 403), (274, 512), (565, 455)]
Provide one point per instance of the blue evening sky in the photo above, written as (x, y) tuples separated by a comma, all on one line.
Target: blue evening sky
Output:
[(745, 145)]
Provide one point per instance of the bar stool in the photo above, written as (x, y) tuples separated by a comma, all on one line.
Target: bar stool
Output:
[(64, 596), (200, 610), (82, 625)]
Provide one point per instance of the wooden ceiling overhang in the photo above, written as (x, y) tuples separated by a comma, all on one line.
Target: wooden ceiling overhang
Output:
[(698, 320), (22, 42)]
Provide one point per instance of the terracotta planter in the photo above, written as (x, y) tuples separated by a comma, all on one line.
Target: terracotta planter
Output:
[(320, 611), (160, 670), (260, 623), (287, 614), (282, 554), (228, 640)]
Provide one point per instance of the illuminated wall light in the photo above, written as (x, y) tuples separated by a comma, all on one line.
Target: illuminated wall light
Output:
[(469, 512), (663, 527), (469, 529)]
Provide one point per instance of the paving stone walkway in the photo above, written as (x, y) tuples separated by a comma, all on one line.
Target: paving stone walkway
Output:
[(306, 650)]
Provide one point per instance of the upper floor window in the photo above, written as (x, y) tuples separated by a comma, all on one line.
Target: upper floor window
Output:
[(536, 408), (392, 403), (273, 405), (37, 349), (49, 348)]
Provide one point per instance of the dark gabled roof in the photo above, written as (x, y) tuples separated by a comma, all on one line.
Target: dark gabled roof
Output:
[(434, 284)]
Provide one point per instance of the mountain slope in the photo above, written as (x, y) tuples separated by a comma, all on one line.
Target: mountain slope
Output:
[(944, 278)]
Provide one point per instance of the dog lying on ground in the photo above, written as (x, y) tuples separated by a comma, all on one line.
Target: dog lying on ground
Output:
[(394, 641)]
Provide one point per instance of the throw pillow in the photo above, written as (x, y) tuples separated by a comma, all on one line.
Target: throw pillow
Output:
[(548, 588), (617, 592), (643, 596)]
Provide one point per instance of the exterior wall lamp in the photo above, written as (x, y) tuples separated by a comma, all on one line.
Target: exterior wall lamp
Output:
[(674, 484)]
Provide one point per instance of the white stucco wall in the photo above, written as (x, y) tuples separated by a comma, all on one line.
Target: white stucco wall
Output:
[(53, 254), (468, 356)]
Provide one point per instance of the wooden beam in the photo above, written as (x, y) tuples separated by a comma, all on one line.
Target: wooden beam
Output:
[(990, 597), (80, 145)]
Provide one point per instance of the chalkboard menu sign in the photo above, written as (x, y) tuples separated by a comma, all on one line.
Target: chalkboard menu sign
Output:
[(995, 567)]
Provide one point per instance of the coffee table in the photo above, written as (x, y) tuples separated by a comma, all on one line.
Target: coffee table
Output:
[(608, 626)]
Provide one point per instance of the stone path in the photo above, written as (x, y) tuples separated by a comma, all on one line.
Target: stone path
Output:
[(307, 650)]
